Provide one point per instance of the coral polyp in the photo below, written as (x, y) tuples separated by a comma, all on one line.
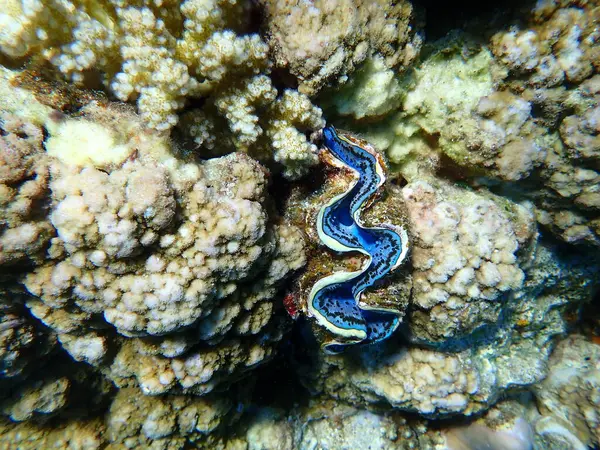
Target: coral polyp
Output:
[(335, 301)]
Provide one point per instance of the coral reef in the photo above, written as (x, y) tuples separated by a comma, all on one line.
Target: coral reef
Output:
[(498, 113), (431, 101), (77, 434), (24, 227), (559, 43), (569, 397), (269, 128), (23, 345), (42, 397), (270, 429), (468, 253), (465, 378), (336, 425), (139, 421), (569, 205), (148, 257), (147, 242), (52, 393), (340, 426), (370, 93), (37, 381), (158, 55), (555, 44), (133, 421), (134, 46), (323, 42)]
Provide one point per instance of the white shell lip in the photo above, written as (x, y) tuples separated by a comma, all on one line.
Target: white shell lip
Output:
[(352, 335)]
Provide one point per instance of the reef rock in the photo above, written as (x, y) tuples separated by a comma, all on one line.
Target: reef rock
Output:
[(468, 250), (25, 231), (497, 113), (24, 345), (77, 434), (569, 397), (323, 42), (168, 422), (473, 371), (145, 242)]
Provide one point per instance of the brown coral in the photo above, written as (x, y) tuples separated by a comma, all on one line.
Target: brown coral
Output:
[(323, 42), (24, 227), (150, 241)]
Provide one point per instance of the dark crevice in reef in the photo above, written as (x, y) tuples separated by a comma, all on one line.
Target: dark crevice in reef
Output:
[(277, 383), (443, 16), (280, 189), (195, 103), (283, 79), (590, 319), (255, 17)]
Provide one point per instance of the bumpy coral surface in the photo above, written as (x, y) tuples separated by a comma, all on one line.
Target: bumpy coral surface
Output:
[(336, 425), (347, 427), (569, 204), (155, 278), (569, 398), (24, 228), (53, 392), (134, 45), (465, 379), (500, 112), (78, 434), (556, 44), (38, 398), (160, 54), (149, 242), (324, 424), (559, 43), (465, 258), (323, 42), (132, 420), (170, 422)]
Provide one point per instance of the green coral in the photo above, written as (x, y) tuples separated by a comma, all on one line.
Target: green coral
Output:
[(373, 91), (432, 104)]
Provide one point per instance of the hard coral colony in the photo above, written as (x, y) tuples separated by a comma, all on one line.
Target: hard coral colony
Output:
[(164, 201)]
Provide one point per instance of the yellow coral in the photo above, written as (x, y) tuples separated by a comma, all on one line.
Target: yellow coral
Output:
[(160, 53), (157, 54), (259, 122), (79, 142)]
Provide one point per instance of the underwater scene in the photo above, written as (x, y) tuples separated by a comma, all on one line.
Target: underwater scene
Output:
[(299, 224)]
